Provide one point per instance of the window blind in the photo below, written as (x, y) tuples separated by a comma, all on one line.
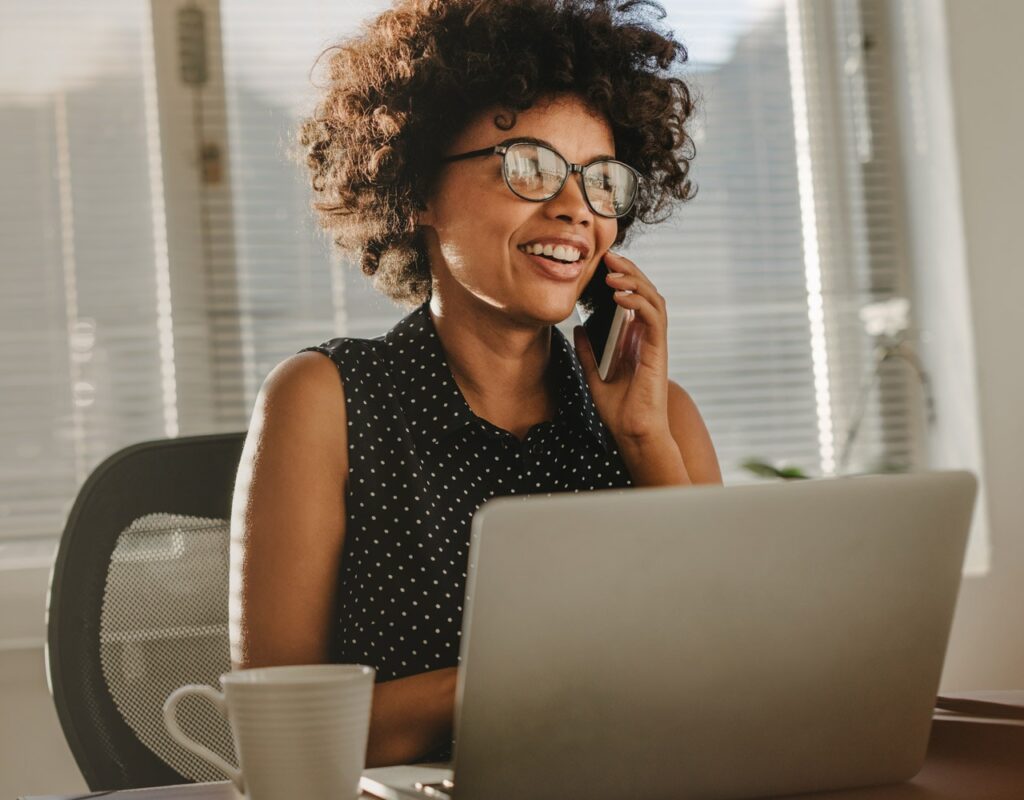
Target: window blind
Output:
[(161, 257), (80, 369)]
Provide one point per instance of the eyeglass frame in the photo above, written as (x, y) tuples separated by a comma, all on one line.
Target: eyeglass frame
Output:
[(502, 148)]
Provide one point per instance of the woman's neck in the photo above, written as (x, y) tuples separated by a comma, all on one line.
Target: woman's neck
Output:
[(500, 367)]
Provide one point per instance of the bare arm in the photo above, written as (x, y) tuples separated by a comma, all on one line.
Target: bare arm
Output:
[(288, 517), (410, 717), (692, 437), (287, 532)]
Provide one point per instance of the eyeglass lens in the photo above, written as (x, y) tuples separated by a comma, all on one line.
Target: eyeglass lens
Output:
[(535, 172)]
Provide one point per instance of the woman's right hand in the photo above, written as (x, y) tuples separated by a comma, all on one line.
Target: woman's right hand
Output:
[(410, 717)]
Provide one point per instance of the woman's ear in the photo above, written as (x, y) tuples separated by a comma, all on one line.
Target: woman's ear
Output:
[(424, 215)]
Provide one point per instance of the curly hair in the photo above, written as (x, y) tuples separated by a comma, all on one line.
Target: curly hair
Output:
[(415, 75)]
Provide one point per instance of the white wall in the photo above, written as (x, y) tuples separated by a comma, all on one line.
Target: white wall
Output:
[(34, 758), (987, 647)]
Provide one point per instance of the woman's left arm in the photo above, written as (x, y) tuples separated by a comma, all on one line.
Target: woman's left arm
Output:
[(691, 436), (687, 457), (659, 431)]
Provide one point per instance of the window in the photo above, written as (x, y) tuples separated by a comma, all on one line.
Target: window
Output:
[(160, 256)]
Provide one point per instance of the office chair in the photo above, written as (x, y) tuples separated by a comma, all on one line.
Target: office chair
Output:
[(138, 605)]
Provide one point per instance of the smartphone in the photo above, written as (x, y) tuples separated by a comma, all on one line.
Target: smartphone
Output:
[(604, 321)]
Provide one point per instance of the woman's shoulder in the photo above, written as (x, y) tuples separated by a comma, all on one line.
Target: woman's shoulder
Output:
[(309, 383), (316, 384), (299, 423), (348, 350)]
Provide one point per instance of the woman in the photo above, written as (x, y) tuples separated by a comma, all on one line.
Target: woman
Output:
[(438, 153)]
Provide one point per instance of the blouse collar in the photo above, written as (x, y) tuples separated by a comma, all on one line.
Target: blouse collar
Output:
[(418, 361)]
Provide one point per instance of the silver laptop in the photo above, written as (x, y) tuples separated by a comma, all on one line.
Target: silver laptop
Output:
[(703, 641)]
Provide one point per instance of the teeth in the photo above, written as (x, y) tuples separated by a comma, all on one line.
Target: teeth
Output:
[(559, 251)]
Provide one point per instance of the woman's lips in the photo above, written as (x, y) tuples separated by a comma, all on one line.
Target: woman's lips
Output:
[(557, 272)]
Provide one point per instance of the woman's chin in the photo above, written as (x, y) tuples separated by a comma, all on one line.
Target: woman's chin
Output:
[(549, 299), (550, 308)]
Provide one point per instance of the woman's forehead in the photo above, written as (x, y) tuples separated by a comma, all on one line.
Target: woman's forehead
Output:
[(578, 132)]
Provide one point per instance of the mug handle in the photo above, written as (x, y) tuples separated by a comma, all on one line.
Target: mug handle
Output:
[(205, 753)]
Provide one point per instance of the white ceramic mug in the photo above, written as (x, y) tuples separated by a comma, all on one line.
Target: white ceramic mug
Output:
[(300, 731)]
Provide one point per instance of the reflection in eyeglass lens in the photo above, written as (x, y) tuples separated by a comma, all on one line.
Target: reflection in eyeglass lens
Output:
[(610, 187), (600, 191), (537, 173)]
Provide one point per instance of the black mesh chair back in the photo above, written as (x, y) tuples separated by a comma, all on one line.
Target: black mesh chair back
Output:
[(138, 605)]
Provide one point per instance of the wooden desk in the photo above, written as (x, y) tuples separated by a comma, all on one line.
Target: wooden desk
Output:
[(969, 758)]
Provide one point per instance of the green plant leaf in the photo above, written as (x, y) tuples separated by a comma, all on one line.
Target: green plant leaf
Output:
[(766, 470)]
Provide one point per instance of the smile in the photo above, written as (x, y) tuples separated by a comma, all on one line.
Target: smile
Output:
[(565, 254), (555, 270)]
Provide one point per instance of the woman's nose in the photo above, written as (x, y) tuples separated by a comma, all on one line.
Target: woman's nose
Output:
[(570, 204)]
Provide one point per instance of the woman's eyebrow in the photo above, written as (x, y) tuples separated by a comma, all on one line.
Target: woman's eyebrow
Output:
[(535, 140)]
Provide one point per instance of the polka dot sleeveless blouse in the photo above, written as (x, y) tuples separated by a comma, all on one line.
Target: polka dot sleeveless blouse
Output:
[(420, 464)]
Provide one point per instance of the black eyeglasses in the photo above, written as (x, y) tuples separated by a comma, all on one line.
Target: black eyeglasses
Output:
[(536, 172)]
